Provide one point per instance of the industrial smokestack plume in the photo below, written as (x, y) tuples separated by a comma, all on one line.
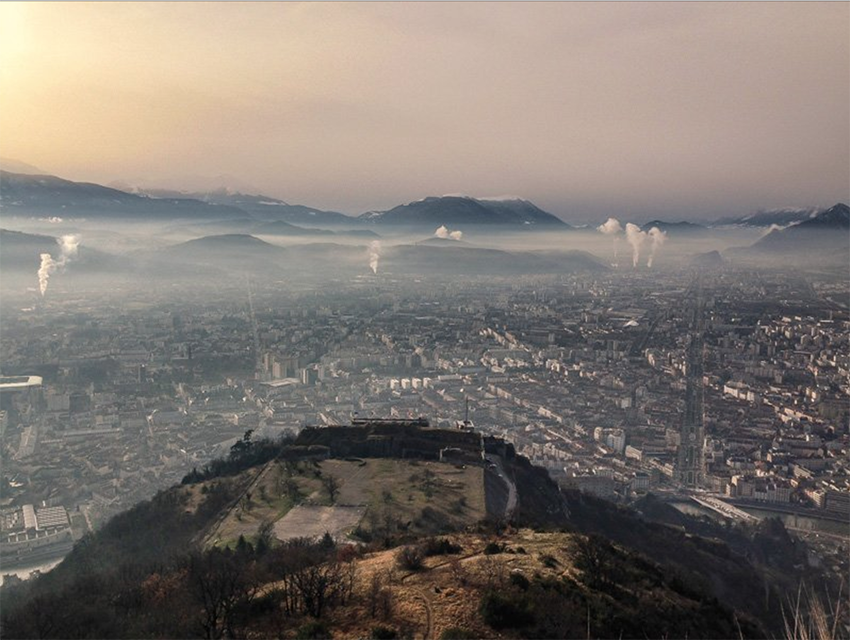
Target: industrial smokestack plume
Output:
[(658, 238), (374, 255), (445, 234), (612, 227), (47, 267), (636, 238), (68, 247)]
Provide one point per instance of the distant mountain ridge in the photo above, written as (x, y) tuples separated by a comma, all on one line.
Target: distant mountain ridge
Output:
[(464, 210), (27, 194), (27, 191), (226, 241), (676, 228), (16, 166), (262, 206), (823, 238), (768, 217), (836, 217), (20, 252)]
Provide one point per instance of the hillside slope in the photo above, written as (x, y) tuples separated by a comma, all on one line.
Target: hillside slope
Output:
[(309, 537)]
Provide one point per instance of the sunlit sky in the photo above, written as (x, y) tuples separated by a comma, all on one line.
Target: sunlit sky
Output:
[(683, 110)]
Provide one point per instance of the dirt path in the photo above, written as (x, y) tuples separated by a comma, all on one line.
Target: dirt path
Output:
[(214, 529), (512, 494), (424, 597)]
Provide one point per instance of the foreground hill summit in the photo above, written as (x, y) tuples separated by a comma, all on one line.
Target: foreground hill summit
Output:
[(391, 529)]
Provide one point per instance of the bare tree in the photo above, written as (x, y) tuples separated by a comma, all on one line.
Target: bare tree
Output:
[(218, 582), (332, 486), (291, 489), (429, 481), (320, 585), (458, 571), (379, 596), (493, 571)]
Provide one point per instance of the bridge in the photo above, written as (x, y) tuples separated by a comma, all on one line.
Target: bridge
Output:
[(724, 509)]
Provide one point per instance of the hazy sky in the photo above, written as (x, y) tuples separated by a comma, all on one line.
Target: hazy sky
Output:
[(586, 108)]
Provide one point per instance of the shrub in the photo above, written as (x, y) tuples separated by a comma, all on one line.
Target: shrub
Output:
[(364, 535), (519, 580), (598, 560), (493, 548), (504, 611), (315, 630), (549, 561), (327, 541), (457, 633), (440, 547), (384, 633), (409, 558), (433, 519)]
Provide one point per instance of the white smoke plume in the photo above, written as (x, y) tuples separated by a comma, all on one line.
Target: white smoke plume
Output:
[(658, 238), (612, 227), (445, 234), (47, 267), (636, 238), (374, 255), (68, 247)]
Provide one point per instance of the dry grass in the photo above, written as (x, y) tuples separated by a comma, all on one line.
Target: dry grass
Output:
[(447, 591), (384, 489), (807, 618), (268, 501)]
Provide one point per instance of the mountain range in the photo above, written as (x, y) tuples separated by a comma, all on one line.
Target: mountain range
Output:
[(677, 228), (261, 206), (827, 231), (769, 217), (464, 210), (45, 195), (27, 194)]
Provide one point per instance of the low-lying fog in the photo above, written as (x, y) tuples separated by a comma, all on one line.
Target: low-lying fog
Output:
[(124, 258)]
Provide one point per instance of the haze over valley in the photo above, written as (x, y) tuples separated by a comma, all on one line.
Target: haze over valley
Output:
[(424, 320)]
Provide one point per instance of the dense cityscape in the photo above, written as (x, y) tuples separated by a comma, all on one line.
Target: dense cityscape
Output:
[(586, 375)]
